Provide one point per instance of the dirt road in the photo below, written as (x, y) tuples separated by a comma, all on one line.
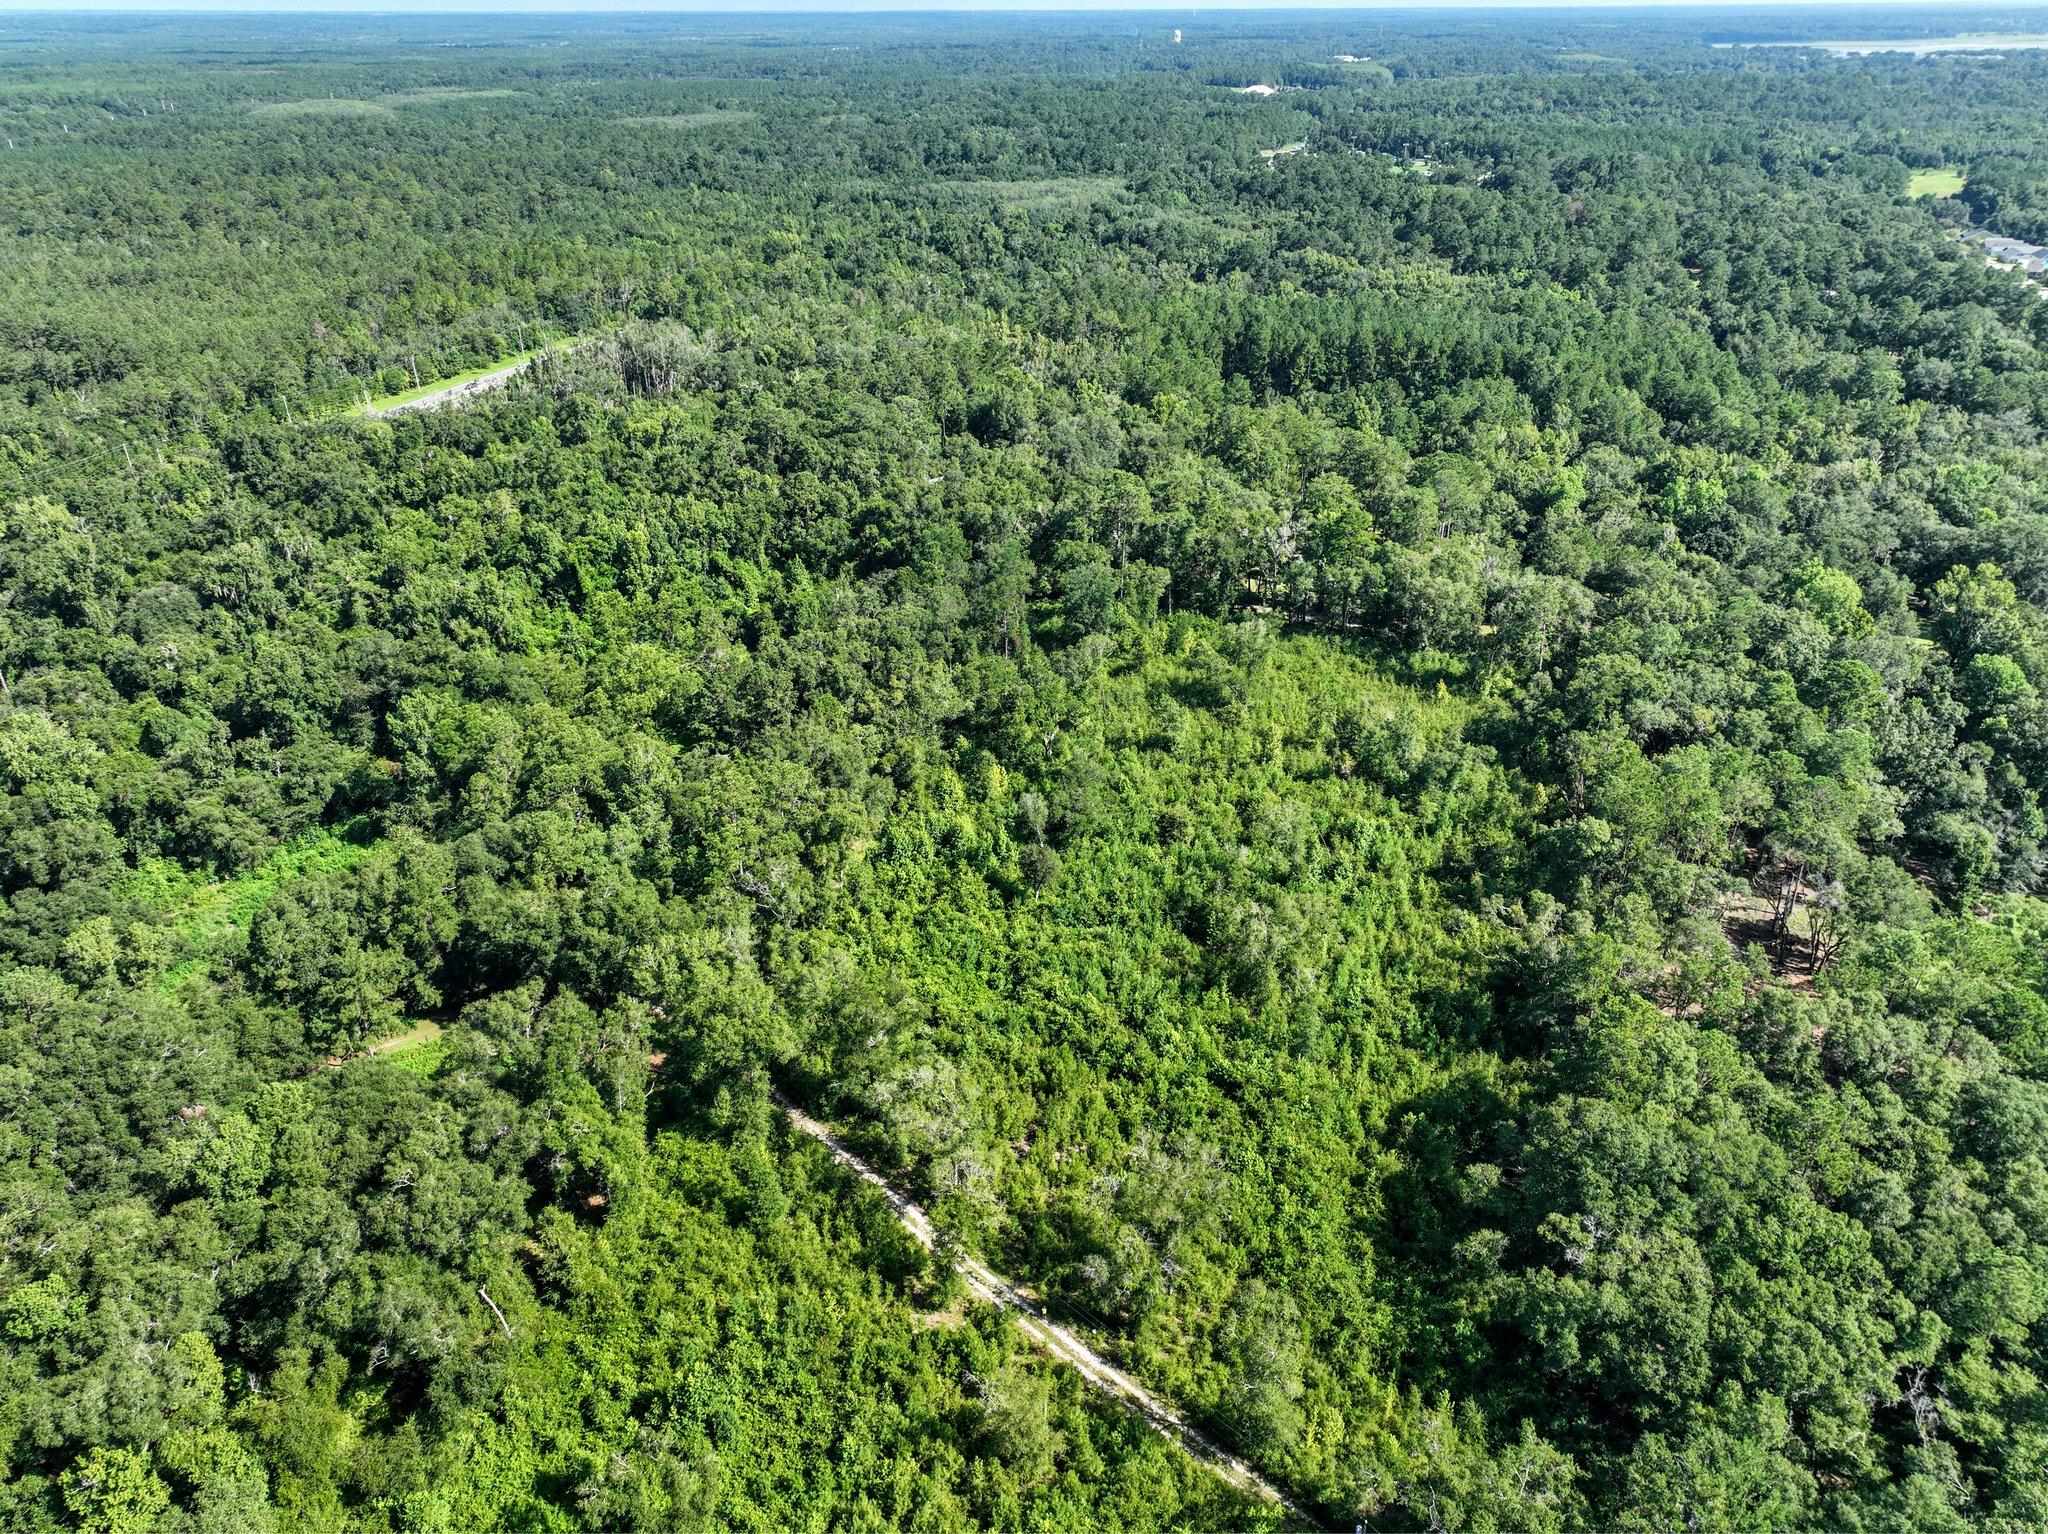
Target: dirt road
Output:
[(990, 1286), (458, 391)]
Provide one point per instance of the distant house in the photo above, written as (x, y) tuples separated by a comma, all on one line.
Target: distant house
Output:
[(2002, 248)]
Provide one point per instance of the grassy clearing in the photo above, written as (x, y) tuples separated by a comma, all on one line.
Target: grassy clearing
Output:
[(1425, 168), (203, 914), (453, 381), (1945, 182), (1051, 194), (711, 117), (433, 93), (420, 1049), (1045, 196), (322, 106)]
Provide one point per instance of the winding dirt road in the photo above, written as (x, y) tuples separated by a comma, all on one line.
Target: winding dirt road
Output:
[(991, 1287)]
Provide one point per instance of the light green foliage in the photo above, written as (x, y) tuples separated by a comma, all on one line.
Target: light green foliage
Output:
[(1832, 597), (420, 1049), (113, 1491), (195, 918), (775, 1349)]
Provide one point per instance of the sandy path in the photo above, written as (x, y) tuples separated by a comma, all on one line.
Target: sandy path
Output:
[(991, 1287)]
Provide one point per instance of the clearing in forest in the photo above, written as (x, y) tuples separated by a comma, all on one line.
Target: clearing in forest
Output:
[(1944, 181), (710, 117), (433, 93), (321, 106), (1037, 196), (202, 914), (1050, 194), (419, 1049), (444, 391)]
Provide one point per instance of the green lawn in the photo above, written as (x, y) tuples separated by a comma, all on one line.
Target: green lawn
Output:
[(1945, 182)]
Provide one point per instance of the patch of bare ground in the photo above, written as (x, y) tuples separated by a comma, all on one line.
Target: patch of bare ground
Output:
[(949, 1319), (1750, 920)]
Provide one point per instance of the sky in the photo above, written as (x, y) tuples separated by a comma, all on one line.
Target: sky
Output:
[(786, 7)]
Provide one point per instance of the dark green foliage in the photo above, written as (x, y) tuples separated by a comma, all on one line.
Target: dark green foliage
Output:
[(1412, 777)]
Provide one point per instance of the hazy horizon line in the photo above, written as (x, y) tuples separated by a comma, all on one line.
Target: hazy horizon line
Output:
[(384, 8)]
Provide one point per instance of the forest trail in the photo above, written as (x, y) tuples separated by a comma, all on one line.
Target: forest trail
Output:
[(461, 388), (1047, 1334)]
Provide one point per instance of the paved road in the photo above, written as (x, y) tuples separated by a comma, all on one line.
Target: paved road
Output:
[(991, 1287)]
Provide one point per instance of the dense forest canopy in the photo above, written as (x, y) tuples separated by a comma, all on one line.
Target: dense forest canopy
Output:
[(1391, 736)]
